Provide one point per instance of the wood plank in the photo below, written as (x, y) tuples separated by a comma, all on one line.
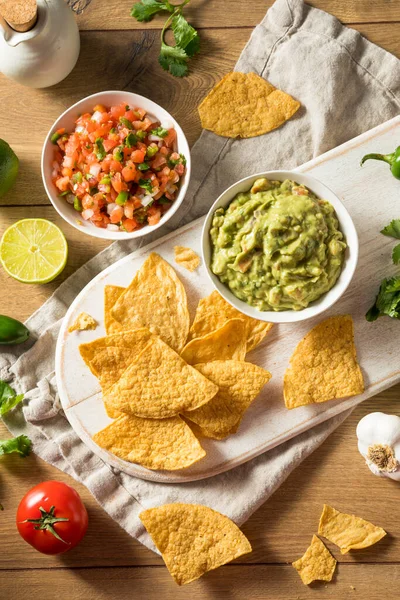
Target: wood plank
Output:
[(214, 13), (279, 531), (129, 62), (233, 582)]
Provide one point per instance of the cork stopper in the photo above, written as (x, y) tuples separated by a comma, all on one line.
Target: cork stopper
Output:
[(21, 15)]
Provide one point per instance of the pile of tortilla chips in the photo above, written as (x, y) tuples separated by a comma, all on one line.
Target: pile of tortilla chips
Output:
[(245, 105), (193, 539), (163, 381), (346, 531)]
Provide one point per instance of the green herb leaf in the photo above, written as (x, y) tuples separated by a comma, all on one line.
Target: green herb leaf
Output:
[(146, 185), (160, 132), (8, 398), (393, 229), (387, 301), (143, 167), (185, 35), (174, 60), (396, 254), (146, 9), (21, 444), (100, 152), (131, 140)]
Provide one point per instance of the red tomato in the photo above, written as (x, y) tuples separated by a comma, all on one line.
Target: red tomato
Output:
[(52, 518)]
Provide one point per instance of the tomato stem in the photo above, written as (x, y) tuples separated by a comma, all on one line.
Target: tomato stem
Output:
[(47, 521)]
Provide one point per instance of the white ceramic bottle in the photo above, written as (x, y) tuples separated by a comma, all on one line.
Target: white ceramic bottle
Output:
[(47, 53)]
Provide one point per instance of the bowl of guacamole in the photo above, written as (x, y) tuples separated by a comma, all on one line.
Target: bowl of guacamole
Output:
[(280, 246)]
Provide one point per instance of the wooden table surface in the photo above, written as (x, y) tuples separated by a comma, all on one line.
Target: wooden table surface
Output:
[(119, 53)]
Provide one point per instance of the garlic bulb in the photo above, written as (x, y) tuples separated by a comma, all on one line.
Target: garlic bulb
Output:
[(379, 443)]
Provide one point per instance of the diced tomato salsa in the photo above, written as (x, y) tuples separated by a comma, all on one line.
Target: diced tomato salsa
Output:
[(119, 168)]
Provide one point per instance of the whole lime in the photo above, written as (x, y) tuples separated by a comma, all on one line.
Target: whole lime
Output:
[(8, 167)]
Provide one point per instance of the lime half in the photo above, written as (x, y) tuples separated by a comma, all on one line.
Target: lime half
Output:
[(8, 167), (33, 251)]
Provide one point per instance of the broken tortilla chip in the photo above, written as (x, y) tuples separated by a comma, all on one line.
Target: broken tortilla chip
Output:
[(186, 257), (83, 322), (167, 444), (348, 531), (111, 295), (245, 105), (193, 539), (157, 299), (324, 365), (239, 384), (317, 563), (226, 343), (159, 384), (213, 311)]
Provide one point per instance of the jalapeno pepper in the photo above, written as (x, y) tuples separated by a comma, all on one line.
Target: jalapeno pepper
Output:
[(392, 159), (12, 331)]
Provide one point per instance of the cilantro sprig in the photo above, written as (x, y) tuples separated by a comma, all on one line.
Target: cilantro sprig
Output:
[(173, 59), (8, 398)]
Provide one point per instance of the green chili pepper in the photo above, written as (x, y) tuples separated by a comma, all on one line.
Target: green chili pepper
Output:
[(126, 123), (106, 180), (392, 159), (100, 152), (77, 204), (77, 177), (141, 134), (55, 137), (118, 155), (151, 151), (143, 167), (12, 331), (122, 198)]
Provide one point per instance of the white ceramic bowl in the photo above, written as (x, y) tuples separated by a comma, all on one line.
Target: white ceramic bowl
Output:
[(67, 120), (346, 226)]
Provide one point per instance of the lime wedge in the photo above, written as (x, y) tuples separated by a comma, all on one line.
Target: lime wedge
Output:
[(33, 251), (8, 167)]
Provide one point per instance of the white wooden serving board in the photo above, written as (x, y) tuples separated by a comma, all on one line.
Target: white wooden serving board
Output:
[(372, 197)]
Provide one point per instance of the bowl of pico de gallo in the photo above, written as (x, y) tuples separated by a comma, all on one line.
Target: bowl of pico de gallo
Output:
[(116, 165)]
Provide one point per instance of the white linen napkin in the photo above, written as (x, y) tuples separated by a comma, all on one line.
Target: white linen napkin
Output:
[(346, 85)]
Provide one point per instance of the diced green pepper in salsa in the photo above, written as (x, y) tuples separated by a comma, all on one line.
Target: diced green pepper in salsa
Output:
[(119, 168), (277, 246)]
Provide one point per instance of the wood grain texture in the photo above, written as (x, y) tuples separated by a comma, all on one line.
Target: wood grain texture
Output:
[(108, 563), (213, 13)]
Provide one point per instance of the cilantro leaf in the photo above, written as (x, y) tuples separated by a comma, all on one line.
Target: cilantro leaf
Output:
[(146, 9), (100, 152), (387, 301), (185, 35), (146, 185), (393, 229), (173, 59), (396, 254), (21, 444), (8, 398)]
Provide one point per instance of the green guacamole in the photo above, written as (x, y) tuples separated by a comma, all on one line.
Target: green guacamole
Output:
[(278, 246)]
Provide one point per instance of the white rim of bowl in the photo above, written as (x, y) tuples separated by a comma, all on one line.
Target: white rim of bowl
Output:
[(118, 235), (318, 306)]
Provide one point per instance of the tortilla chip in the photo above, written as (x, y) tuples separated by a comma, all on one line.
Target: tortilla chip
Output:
[(213, 311), (111, 295), (239, 384), (133, 342), (245, 105), (193, 539), (157, 299), (167, 444), (226, 343), (317, 563), (186, 257), (348, 531), (83, 322), (159, 384), (324, 365)]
